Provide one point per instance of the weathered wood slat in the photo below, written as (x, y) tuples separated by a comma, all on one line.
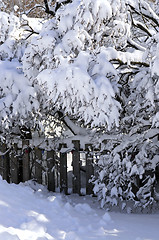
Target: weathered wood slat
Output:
[(5, 162), (63, 170), (89, 169), (76, 180), (51, 170), (14, 165), (26, 160), (1, 160), (38, 165)]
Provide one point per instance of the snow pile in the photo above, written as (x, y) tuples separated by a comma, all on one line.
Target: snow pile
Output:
[(34, 213), (29, 215)]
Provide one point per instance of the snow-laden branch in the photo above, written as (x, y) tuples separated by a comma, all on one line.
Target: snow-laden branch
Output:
[(76, 130), (4, 153), (146, 11), (142, 27), (82, 62), (136, 45)]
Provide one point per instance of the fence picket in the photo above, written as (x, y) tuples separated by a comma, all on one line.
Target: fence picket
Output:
[(20, 165), (14, 165), (38, 166), (51, 170), (1, 160), (89, 169), (76, 167), (5, 162), (26, 160), (63, 170)]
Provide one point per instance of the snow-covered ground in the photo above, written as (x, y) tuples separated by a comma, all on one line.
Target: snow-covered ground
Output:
[(35, 214)]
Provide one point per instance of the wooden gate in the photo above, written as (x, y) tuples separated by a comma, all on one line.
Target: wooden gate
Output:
[(60, 170)]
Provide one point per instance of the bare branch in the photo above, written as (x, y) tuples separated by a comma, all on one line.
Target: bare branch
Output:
[(151, 17), (30, 30), (142, 27), (56, 7), (47, 10), (33, 8)]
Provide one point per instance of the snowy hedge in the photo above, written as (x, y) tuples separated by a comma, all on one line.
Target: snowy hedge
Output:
[(128, 173)]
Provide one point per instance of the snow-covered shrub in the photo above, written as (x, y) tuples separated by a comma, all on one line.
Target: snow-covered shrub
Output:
[(70, 57), (9, 35), (18, 99), (81, 62), (126, 174)]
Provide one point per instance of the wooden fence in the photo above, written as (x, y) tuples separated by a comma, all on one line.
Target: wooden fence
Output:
[(58, 170)]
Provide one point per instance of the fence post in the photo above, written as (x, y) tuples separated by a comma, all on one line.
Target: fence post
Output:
[(63, 170), (51, 170), (1, 160), (26, 160), (5, 163), (38, 167), (14, 165), (89, 169), (76, 167), (1, 164)]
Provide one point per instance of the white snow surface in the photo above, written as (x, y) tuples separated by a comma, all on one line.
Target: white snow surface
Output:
[(30, 212)]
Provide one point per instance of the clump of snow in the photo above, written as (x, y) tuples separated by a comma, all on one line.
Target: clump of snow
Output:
[(85, 208), (16, 8), (106, 217)]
